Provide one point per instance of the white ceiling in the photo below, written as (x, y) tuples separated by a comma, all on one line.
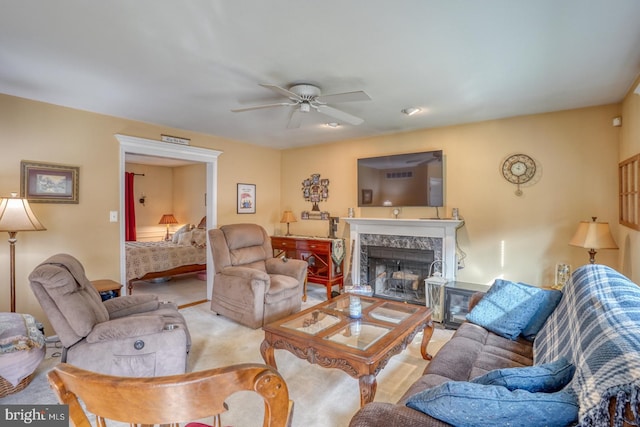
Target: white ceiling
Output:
[(186, 64)]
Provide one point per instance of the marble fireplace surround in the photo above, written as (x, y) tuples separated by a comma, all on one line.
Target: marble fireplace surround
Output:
[(438, 235)]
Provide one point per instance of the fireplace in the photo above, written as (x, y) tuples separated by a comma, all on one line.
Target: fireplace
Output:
[(398, 273), (422, 235)]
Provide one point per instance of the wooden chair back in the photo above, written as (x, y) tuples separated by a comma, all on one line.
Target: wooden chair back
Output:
[(168, 400)]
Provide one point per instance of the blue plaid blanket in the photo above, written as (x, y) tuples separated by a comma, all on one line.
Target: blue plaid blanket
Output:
[(597, 326)]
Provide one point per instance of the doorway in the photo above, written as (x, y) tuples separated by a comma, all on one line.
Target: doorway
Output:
[(149, 147)]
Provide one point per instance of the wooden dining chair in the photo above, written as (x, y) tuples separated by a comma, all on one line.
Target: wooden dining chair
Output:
[(168, 400)]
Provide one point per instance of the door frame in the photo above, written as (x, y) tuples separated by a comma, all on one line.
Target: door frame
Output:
[(151, 147)]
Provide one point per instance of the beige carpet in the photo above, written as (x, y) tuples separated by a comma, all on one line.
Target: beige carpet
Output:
[(323, 397)]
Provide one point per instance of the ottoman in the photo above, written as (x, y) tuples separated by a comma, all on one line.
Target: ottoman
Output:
[(22, 348)]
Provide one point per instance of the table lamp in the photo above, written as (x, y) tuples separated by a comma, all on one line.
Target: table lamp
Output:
[(16, 215), (287, 216), (168, 219), (593, 235)]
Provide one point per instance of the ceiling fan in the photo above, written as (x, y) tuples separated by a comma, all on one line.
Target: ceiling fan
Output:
[(305, 97)]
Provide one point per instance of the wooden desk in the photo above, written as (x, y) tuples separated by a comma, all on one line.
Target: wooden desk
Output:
[(105, 285), (317, 251)]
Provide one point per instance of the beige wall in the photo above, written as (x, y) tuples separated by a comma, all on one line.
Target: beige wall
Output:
[(178, 190), (518, 238), (628, 239), (47, 133)]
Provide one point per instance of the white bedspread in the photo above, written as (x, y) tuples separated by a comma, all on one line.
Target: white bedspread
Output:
[(151, 257)]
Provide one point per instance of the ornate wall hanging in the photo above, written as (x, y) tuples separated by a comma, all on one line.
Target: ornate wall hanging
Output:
[(315, 190)]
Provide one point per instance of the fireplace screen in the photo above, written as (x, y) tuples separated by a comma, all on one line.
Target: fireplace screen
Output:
[(399, 273)]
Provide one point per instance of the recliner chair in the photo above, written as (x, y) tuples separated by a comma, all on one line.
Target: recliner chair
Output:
[(135, 336), (250, 286)]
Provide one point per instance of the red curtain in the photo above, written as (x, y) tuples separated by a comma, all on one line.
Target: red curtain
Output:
[(129, 208)]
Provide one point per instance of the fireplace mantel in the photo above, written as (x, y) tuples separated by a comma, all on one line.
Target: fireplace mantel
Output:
[(444, 229)]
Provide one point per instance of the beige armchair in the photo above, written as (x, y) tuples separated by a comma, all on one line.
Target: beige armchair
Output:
[(250, 286), (136, 336)]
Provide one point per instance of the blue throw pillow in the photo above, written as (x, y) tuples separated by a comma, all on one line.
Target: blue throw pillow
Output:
[(507, 308), (550, 298), (547, 378), (465, 404)]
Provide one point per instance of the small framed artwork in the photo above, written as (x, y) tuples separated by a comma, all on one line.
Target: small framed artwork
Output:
[(246, 198), (49, 183), (367, 197), (563, 273)]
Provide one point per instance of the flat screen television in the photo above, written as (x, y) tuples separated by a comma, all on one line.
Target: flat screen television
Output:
[(413, 179)]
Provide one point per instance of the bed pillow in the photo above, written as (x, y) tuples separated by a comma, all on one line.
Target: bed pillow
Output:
[(185, 238), (199, 237), (183, 229), (466, 404), (549, 300), (507, 308), (547, 378)]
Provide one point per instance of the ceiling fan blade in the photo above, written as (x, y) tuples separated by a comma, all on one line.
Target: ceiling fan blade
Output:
[(282, 91), (358, 95), (257, 107), (339, 114), (295, 119)]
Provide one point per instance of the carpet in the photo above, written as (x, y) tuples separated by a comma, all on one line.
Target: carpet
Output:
[(322, 397)]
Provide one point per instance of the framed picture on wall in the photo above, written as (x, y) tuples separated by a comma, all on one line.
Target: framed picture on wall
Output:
[(563, 273), (246, 198), (49, 183), (367, 197)]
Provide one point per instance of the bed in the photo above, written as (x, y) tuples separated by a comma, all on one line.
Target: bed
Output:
[(185, 253)]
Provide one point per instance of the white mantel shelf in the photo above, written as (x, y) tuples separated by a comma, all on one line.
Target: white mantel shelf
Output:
[(445, 229)]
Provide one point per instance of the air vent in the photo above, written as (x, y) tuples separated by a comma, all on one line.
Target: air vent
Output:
[(399, 175)]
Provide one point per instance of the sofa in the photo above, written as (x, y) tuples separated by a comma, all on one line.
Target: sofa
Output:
[(595, 325)]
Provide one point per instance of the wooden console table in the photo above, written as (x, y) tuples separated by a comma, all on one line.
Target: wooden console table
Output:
[(319, 253)]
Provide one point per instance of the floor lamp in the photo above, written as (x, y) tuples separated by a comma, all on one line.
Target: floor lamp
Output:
[(593, 235), (16, 215)]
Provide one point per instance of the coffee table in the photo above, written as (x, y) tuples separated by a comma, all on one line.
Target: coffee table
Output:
[(325, 335)]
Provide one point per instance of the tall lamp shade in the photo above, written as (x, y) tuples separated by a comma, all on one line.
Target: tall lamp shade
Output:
[(16, 215), (168, 219), (288, 216), (593, 235)]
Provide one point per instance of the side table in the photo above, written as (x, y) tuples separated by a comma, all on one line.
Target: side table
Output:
[(107, 285)]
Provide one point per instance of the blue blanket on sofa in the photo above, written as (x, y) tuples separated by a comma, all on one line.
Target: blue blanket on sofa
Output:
[(597, 327)]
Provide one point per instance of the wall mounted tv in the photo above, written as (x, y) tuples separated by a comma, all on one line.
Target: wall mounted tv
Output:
[(414, 179)]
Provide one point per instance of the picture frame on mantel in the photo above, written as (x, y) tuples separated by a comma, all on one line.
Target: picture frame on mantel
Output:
[(246, 198), (49, 183)]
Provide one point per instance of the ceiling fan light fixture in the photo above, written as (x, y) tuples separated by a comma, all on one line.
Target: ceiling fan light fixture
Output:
[(305, 107), (410, 111), (333, 125)]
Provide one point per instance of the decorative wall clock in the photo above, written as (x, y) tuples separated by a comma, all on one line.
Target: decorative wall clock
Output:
[(518, 169)]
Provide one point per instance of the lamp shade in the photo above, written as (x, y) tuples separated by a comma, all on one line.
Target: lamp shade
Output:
[(593, 235), (168, 219), (16, 215), (288, 216)]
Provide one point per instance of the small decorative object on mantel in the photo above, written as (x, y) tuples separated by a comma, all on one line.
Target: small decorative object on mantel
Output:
[(315, 190)]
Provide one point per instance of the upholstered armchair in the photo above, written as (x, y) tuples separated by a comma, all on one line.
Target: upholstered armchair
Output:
[(136, 336), (250, 286)]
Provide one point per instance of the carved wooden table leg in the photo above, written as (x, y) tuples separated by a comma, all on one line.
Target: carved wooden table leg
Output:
[(267, 352), (426, 337), (368, 387)]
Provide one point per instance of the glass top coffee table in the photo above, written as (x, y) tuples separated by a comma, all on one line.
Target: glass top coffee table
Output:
[(325, 335)]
